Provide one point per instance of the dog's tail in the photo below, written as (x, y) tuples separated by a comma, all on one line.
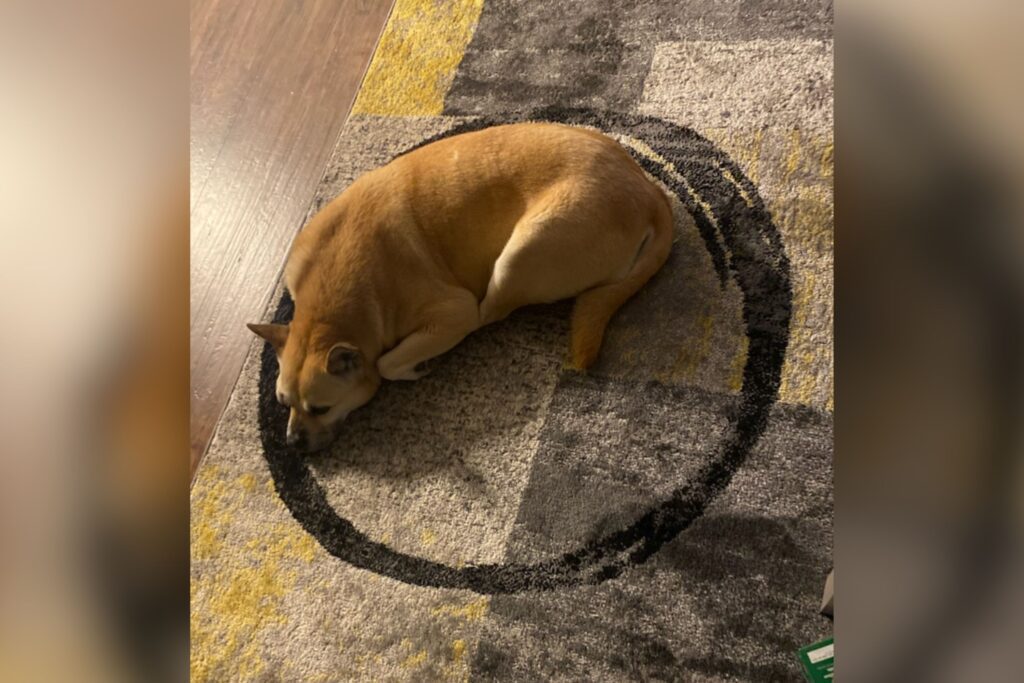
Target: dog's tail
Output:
[(595, 307)]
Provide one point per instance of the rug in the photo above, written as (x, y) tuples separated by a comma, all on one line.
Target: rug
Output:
[(666, 516)]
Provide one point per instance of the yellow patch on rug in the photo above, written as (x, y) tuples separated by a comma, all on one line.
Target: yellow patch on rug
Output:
[(415, 62)]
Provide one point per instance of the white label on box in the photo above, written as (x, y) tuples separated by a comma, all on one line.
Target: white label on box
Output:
[(822, 653)]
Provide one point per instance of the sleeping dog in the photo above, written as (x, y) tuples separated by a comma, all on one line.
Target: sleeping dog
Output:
[(416, 255)]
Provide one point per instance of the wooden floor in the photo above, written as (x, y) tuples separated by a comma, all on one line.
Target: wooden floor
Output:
[(272, 84)]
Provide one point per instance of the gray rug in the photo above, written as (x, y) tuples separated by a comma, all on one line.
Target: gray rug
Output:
[(666, 516)]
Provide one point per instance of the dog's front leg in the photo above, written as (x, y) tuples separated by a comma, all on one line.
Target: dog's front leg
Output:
[(446, 325)]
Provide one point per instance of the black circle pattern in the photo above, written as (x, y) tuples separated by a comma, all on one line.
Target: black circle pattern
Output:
[(744, 245)]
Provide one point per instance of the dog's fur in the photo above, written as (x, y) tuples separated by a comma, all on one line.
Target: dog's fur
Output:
[(452, 236)]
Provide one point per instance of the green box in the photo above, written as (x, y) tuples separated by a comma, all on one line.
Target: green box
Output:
[(818, 661)]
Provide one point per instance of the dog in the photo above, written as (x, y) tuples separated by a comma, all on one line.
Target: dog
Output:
[(450, 237)]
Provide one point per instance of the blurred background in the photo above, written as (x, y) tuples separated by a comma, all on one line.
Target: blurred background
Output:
[(94, 465), (94, 411), (930, 323)]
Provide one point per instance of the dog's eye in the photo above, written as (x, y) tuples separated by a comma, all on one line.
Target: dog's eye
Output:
[(318, 410)]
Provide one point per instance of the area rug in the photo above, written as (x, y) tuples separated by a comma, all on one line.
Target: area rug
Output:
[(666, 515)]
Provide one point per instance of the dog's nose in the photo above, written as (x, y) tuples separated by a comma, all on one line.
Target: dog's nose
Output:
[(296, 439)]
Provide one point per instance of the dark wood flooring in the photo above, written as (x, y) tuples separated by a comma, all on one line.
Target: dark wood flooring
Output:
[(272, 84)]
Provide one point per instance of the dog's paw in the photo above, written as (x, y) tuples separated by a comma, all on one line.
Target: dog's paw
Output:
[(406, 374), (423, 368)]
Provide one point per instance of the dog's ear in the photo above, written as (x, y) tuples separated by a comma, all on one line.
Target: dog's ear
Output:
[(343, 358), (277, 335)]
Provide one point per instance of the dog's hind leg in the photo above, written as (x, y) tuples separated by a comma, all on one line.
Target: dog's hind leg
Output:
[(595, 307), (550, 258), (445, 325)]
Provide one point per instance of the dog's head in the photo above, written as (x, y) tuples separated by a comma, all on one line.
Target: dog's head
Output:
[(321, 380)]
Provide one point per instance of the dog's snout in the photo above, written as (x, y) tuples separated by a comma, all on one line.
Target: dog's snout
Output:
[(297, 439)]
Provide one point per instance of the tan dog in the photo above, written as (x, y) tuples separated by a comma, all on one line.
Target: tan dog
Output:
[(457, 234)]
